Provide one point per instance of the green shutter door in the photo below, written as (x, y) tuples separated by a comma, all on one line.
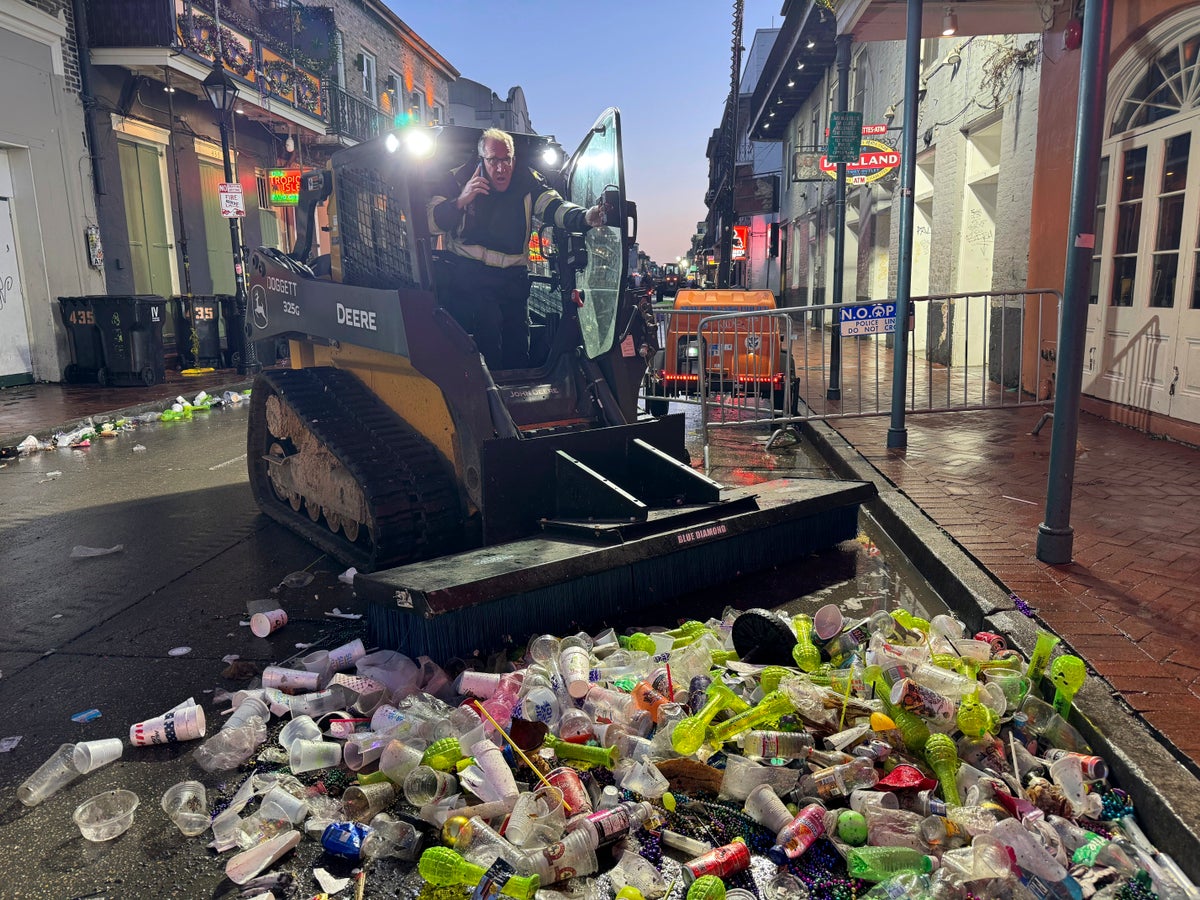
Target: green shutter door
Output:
[(146, 218), (216, 230)]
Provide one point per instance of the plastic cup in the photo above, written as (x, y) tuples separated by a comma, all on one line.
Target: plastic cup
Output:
[(765, 807), (477, 684), (345, 656), (318, 703), (864, 798), (91, 755), (183, 723), (307, 756), (980, 651), (496, 770), (263, 623), (537, 818), (52, 776), (1014, 685), (107, 815), (362, 802), (300, 728), (575, 662), (634, 870), (425, 785), (248, 708), (742, 776), (576, 799), (571, 857), (827, 622), (290, 679), (186, 804), (400, 757), (362, 749), (364, 695), (280, 803)]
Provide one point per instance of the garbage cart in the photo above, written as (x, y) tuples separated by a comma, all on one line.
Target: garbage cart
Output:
[(201, 323), (115, 339)]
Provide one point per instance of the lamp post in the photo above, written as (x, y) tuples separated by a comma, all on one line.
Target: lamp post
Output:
[(222, 92)]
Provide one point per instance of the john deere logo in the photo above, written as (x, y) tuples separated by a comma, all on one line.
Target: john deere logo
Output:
[(258, 303)]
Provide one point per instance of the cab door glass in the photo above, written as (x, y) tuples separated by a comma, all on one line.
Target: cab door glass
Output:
[(594, 172)]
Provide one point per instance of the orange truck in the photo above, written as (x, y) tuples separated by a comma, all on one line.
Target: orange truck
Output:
[(743, 355)]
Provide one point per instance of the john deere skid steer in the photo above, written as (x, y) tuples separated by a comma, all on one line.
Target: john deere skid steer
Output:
[(478, 503)]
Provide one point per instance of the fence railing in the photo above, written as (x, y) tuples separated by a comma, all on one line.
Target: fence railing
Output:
[(965, 351)]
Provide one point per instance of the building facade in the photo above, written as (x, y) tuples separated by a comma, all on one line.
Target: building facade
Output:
[(49, 238)]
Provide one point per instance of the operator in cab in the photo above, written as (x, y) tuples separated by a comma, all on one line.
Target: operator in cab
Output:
[(485, 210)]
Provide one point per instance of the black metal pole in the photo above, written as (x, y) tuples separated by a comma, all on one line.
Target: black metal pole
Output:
[(244, 348), (897, 436), (1055, 539), (834, 391)]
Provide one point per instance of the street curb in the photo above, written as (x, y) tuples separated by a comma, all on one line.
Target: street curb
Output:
[(1165, 792), (126, 412)]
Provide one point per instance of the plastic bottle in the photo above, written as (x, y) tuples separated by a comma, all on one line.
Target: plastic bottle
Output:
[(1050, 728), (442, 866), (607, 826), (646, 697), (881, 863), (838, 781), (798, 835), (776, 744)]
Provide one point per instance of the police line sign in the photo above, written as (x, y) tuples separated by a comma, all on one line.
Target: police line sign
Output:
[(870, 318)]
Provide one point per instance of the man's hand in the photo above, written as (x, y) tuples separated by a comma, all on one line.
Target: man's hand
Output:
[(476, 186), (596, 216)]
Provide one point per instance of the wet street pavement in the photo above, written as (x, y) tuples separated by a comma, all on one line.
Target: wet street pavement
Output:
[(135, 632)]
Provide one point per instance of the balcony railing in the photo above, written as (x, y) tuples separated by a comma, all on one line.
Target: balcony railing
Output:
[(264, 65), (353, 116)]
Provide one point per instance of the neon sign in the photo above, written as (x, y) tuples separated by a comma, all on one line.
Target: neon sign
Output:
[(285, 187)]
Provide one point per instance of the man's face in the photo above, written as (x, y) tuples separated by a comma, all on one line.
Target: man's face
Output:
[(498, 162)]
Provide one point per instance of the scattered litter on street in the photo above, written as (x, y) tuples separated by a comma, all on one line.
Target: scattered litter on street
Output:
[(179, 651), (9, 743), (87, 715)]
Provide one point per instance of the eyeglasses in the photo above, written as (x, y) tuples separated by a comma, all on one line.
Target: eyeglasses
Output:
[(500, 162)]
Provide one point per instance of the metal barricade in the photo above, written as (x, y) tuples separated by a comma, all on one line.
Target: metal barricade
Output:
[(965, 351)]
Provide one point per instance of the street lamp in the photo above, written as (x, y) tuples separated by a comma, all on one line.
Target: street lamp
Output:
[(222, 93)]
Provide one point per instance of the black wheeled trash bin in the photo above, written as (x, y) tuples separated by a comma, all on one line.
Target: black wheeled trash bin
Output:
[(87, 346), (130, 330), (204, 314)]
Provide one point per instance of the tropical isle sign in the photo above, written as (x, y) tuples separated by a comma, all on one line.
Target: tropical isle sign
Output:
[(876, 160)]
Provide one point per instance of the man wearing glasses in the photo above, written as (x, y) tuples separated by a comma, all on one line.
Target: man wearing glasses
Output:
[(485, 211)]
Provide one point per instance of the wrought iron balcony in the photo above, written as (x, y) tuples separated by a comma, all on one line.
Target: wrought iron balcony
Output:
[(353, 116), (259, 57)]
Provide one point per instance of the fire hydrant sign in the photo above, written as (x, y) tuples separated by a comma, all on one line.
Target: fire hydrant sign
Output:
[(232, 202), (871, 318)]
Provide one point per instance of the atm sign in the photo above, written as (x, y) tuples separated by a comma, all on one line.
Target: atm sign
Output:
[(285, 187)]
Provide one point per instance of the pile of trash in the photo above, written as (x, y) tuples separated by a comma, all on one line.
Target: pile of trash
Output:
[(87, 431), (754, 756)]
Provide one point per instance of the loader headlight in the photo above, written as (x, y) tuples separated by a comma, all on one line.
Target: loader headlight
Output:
[(419, 142), (392, 143), (551, 158)]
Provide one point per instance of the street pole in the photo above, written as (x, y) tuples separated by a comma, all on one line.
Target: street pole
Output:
[(1056, 538), (897, 435), (247, 357), (834, 391)]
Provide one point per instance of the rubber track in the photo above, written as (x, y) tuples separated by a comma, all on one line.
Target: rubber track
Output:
[(412, 499)]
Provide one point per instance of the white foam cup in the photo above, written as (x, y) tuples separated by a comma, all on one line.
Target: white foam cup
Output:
[(345, 656), (263, 623), (184, 723), (765, 807), (91, 755), (290, 679)]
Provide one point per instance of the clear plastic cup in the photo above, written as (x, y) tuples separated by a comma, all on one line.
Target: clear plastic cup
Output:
[(52, 776), (425, 785), (363, 749), (280, 803), (250, 706), (186, 804), (300, 728), (401, 757), (362, 802), (537, 818)]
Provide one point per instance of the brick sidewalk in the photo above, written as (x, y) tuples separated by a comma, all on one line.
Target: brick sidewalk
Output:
[(1128, 602)]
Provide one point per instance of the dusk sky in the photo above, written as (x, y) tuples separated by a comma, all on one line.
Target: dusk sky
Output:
[(663, 63)]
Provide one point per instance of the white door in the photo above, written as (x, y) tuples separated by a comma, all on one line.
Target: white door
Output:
[(15, 361), (1143, 344)]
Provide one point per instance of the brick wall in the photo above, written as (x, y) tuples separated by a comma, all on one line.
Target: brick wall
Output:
[(70, 48)]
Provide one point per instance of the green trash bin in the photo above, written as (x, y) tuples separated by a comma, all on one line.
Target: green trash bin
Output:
[(130, 338)]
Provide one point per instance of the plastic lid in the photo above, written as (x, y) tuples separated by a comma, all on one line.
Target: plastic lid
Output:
[(828, 621)]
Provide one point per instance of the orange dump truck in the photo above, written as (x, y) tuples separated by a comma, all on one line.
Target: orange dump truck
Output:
[(744, 355)]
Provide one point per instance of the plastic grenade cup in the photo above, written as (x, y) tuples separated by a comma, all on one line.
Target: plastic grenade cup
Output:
[(942, 756), (805, 653)]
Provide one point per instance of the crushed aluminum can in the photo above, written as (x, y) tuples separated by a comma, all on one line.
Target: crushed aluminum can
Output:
[(344, 839)]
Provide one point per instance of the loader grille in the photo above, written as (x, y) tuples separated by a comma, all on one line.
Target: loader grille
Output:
[(376, 235)]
